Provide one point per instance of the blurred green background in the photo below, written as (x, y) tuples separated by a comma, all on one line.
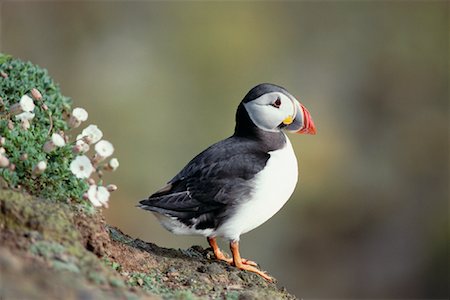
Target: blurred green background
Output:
[(369, 217)]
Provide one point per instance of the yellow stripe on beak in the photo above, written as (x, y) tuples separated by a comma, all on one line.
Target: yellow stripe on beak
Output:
[(288, 120)]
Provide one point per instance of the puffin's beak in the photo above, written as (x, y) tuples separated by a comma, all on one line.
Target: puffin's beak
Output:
[(303, 122)]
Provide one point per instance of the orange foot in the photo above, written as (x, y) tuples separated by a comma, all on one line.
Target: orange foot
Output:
[(237, 261), (220, 256), (253, 269)]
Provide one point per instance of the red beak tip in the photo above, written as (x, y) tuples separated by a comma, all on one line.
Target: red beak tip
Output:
[(309, 128)]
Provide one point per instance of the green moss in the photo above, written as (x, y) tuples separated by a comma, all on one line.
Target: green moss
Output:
[(112, 264), (233, 295), (52, 220), (55, 238), (47, 249), (184, 295), (115, 282), (150, 282), (65, 266), (97, 277)]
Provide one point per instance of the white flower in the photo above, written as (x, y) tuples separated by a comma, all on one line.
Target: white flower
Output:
[(91, 134), (40, 167), (113, 164), (26, 103), (104, 148), (78, 115), (25, 116), (56, 141), (80, 146), (81, 167), (98, 195)]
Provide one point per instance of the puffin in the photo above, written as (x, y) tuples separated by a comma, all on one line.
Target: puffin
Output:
[(238, 183)]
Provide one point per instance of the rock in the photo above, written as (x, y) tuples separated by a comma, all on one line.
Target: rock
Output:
[(64, 251)]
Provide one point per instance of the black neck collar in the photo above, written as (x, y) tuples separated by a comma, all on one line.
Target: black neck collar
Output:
[(245, 127)]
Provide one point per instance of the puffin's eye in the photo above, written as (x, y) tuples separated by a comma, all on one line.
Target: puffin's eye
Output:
[(277, 103)]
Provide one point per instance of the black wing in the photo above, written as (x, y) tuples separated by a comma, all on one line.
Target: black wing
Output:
[(211, 183)]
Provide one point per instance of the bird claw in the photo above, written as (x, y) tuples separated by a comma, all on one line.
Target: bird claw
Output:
[(249, 262), (230, 260), (253, 269), (237, 261)]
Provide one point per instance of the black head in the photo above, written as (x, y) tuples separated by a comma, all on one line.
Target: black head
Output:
[(261, 89), (270, 108)]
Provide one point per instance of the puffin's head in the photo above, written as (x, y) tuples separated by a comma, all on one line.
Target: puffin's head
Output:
[(272, 108)]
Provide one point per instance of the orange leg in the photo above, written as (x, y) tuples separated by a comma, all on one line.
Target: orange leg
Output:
[(220, 256), (217, 252), (238, 262)]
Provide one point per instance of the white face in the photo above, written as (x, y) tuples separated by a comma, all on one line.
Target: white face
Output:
[(270, 110)]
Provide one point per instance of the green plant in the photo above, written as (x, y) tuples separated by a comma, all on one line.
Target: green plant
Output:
[(37, 152)]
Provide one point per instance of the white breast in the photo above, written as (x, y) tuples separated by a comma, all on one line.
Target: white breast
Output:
[(273, 187)]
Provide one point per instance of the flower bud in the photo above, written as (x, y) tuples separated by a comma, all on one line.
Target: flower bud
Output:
[(80, 147), (56, 141), (4, 161), (88, 140), (96, 159), (15, 109), (49, 147), (78, 115), (111, 187), (40, 167), (112, 165), (23, 156), (25, 124), (36, 94), (76, 149), (12, 167)]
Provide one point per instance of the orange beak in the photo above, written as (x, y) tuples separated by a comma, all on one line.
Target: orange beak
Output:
[(308, 126)]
